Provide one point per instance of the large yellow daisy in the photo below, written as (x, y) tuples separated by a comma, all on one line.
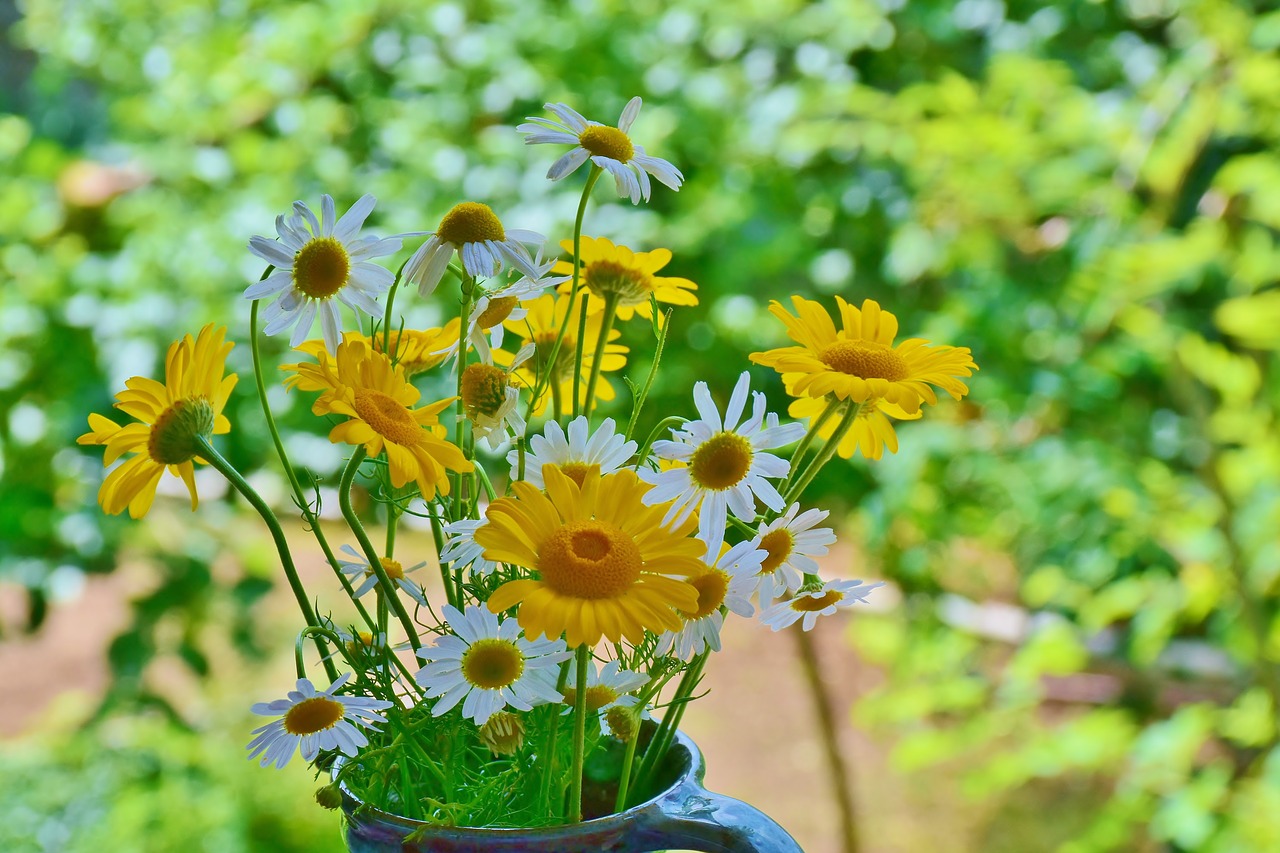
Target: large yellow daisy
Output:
[(377, 399), (603, 559), (173, 415), (860, 361), (413, 350), (628, 276)]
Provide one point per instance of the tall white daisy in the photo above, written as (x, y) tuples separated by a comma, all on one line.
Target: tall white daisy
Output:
[(723, 463), (792, 546), (317, 260), (358, 567), (576, 453), (610, 148), (474, 231), (314, 720), (832, 596), (727, 584), (461, 549), (488, 665)]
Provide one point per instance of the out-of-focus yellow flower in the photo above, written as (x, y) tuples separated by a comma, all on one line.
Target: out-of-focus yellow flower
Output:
[(629, 276), (869, 434), (413, 350)]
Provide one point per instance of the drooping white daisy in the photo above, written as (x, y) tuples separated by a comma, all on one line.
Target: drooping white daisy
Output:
[(314, 720), (316, 261), (358, 566), (474, 231), (729, 583), (461, 550), (792, 545), (489, 665), (491, 399), (724, 463), (576, 454), (494, 309), (610, 148), (611, 686), (832, 596)]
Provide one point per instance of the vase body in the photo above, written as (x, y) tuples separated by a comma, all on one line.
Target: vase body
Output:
[(684, 816)]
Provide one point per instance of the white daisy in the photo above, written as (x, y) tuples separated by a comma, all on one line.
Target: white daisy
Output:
[(317, 260), (491, 398), (576, 454), (490, 665), (485, 247), (314, 720), (791, 545), (611, 686), (493, 309), (832, 596), (461, 550), (723, 464), (358, 566), (610, 148), (727, 584)]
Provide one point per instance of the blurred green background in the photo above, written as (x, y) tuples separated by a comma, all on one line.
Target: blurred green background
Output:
[(1087, 194)]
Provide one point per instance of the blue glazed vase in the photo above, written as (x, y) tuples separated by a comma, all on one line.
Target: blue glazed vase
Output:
[(684, 816)]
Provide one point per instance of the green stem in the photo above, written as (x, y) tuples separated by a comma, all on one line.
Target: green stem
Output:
[(387, 316), (624, 781), (815, 426), (666, 732), (582, 656), (824, 455), (653, 373), (579, 346), (664, 424), (468, 285), (606, 326)]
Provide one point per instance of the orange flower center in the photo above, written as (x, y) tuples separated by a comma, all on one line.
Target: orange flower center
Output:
[(778, 544), (812, 604), (386, 417), (321, 267), (607, 142), (721, 461), (498, 310), (712, 587), (484, 389), (173, 436), (470, 222), (590, 559), (492, 664), (578, 471), (312, 715), (631, 286), (866, 360)]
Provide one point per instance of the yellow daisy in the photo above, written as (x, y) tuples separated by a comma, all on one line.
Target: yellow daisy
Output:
[(188, 405), (869, 434), (414, 351), (376, 398), (629, 276), (860, 361), (603, 559)]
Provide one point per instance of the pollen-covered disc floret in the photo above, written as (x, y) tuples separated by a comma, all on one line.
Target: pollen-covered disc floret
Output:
[(792, 544), (602, 560), (171, 418), (503, 733), (365, 578), (726, 585), (577, 452), (608, 147), (827, 599), (316, 261), (312, 720), (483, 245), (723, 466), (487, 665), (491, 399), (629, 278)]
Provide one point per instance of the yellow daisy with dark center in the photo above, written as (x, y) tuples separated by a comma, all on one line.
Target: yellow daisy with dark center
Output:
[(612, 271)]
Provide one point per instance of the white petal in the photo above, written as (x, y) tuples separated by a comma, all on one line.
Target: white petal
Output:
[(629, 113), (351, 221), (327, 215), (271, 251), (568, 164)]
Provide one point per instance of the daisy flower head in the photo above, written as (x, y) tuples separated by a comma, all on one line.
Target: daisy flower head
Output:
[(723, 465), (488, 666), (860, 362), (316, 261), (608, 147), (611, 686), (727, 584), (487, 322), (462, 550), (615, 272), (830, 597), (491, 398), (483, 245), (576, 453), (603, 558), (791, 545), (313, 720), (357, 567), (171, 416)]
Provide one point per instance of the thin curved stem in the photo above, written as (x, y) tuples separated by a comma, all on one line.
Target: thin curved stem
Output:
[(606, 326), (824, 455), (815, 426)]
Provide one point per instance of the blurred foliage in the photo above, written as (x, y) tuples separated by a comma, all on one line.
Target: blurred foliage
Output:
[(1084, 193)]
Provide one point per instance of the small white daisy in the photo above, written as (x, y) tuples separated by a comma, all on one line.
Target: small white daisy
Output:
[(358, 566), (317, 260), (485, 326), (791, 545), (832, 596), (461, 549), (577, 453), (485, 247), (491, 398), (610, 148), (490, 665), (314, 720), (727, 584), (723, 464), (611, 686)]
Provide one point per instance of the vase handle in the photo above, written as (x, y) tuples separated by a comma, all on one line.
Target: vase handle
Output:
[(693, 818)]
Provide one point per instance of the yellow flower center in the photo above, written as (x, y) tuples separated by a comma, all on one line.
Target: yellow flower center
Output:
[(589, 559), (721, 461), (631, 286), (312, 715), (578, 471), (470, 222), (393, 568), (598, 696), (866, 360), (484, 389), (321, 267), (779, 545), (563, 368), (623, 722), (387, 417), (492, 664), (361, 642), (173, 435), (498, 310), (607, 142), (812, 604), (712, 587), (503, 733)]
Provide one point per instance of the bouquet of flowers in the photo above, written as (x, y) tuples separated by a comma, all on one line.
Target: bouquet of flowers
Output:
[(585, 573)]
